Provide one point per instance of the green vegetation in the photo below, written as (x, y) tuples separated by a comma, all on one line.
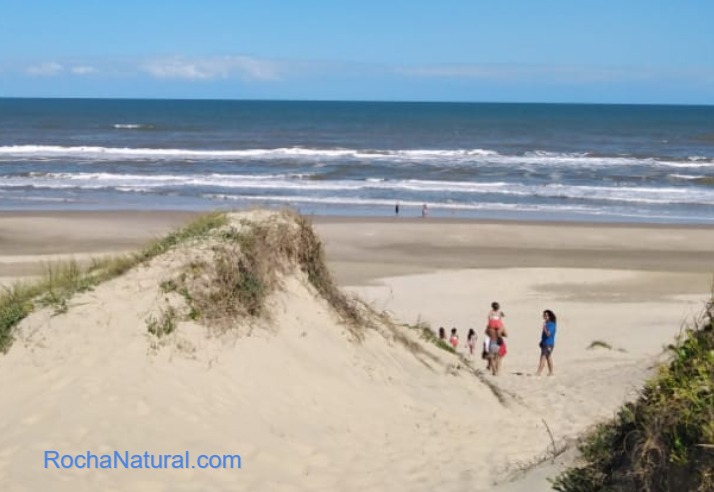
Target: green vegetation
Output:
[(245, 265), (428, 334), (58, 284), (15, 304), (61, 281), (599, 344), (164, 324), (665, 440)]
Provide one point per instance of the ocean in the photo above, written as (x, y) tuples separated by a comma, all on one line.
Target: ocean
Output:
[(595, 163)]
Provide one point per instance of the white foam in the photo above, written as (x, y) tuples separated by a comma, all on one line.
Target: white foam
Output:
[(437, 157), (686, 177), (131, 126), (458, 191)]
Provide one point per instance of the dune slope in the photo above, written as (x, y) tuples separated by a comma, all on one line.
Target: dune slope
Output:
[(306, 398)]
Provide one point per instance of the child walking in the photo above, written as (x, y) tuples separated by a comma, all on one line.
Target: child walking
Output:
[(471, 341), (454, 339)]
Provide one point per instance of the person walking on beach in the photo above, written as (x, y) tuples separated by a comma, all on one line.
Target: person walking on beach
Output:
[(454, 339), (424, 211), (494, 323), (547, 342), (396, 209), (471, 341), (442, 333), (495, 334)]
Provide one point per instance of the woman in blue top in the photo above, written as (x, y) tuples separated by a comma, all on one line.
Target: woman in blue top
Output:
[(547, 342)]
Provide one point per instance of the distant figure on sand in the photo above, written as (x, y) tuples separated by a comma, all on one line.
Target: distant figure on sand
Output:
[(442, 333), (471, 341), (495, 334), (547, 342), (396, 209), (454, 339), (424, 211)]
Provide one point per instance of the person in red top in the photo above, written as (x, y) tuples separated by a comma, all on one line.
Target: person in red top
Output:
[(495, 345), (454, 339)]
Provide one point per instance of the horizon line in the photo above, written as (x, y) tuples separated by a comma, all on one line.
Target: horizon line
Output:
[(367, 101)]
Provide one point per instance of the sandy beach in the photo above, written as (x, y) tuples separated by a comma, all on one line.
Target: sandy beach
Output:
[(358, 417)]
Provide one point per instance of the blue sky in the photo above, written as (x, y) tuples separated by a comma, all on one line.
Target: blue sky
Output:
[(625, 51)]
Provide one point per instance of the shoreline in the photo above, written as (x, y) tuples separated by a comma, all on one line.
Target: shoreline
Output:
[(359, 219)]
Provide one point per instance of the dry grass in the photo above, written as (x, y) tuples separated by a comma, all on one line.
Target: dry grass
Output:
[(245, 265)]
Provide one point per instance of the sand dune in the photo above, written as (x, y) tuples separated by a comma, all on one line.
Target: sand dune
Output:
[(304, 406), (308, 408)]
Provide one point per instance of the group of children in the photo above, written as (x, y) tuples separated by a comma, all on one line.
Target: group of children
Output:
[(494, 344)]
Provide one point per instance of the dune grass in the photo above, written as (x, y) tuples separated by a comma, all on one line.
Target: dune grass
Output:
[(599, 344), (246, 266), (665, 440), (164, 324), (426, 333), (63, 280), (15, 305)]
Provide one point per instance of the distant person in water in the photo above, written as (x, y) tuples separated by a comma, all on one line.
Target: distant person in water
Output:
[(396, 209), (454, 338), (547, 342), (424, 211)]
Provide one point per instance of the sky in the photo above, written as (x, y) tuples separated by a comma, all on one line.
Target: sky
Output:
[(606, 51)]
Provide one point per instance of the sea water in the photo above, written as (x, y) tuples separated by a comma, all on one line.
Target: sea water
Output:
[(491, 161)]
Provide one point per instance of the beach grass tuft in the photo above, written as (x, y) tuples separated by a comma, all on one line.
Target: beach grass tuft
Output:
[(426, 332), (62, 280), (165, 324), (665, 440), (15, 305), (599, 344)]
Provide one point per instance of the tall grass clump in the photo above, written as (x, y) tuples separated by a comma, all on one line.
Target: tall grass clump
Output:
[(665, 440), (62, 280), (59, 282), (247, 263), (15, 305)]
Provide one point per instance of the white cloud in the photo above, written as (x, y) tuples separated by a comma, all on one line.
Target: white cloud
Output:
[(83, 70), (45, 69), (521, 72), (212, 68)]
